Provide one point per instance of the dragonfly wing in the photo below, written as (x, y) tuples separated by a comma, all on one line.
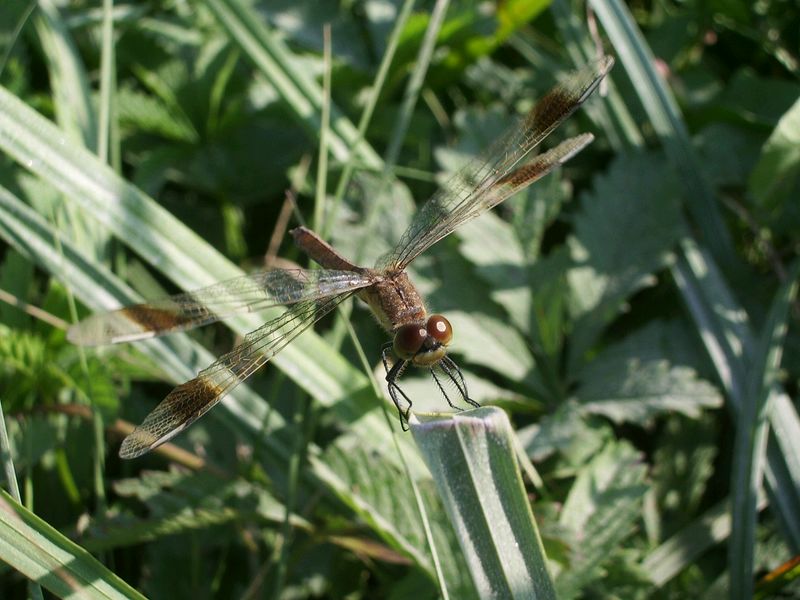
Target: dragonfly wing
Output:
[(191, 400), (250, 293), (502, 170)]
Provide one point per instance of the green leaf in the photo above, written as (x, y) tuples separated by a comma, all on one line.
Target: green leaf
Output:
[(636, 392), (146, 114), (403, 530), (16, 275), (549, 318), (44, 555), (758, 99), (626, 230), (683, 466), (601, 510), (728, 153), (775, 178), (471, 456), (512, 15), (630, 382), (33, 439), (491, 342), (183, 502), (32, 368), (567, 432), (664, 114), (490, 244)]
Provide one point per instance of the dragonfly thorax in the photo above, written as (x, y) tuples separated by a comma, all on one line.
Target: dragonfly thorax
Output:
[(394, 300), (424, 344)]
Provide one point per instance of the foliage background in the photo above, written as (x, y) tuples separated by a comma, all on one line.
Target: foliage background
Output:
[(626, 312)]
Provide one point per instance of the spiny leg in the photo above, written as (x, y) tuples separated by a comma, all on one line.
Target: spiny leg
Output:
[(457, 377), (441, 388), (392, 373), (395, 389), (448, 367)]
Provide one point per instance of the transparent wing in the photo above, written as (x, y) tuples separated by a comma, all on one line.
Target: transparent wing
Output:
[(191, 309), (191, 400), (500, 172)]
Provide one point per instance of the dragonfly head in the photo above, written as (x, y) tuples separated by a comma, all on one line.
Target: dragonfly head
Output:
[(424, 344)]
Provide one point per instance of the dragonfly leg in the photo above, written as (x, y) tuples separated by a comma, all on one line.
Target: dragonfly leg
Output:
[(392, 373), (452, 370), (385, 349), (441, 388)]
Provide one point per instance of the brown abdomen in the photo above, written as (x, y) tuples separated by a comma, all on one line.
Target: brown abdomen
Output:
[(321, 251)]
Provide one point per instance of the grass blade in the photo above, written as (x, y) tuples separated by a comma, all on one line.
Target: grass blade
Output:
[(107, 79), (302, 93), (471, 457), (683, 549), (415, 82), (72, 95), (372, 101), (618, 124), (722, 326), (42, 554), (751, 440), (664, 114)]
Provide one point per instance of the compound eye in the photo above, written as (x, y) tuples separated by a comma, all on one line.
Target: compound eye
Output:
[(408, 340), (439, 329)]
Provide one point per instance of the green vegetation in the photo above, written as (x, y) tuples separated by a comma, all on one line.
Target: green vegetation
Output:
[(634, 315)]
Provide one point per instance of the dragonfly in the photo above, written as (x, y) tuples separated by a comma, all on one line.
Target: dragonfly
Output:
[(418, 338)]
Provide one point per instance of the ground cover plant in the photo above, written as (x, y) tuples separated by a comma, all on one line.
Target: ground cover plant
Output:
[(629, 323)]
